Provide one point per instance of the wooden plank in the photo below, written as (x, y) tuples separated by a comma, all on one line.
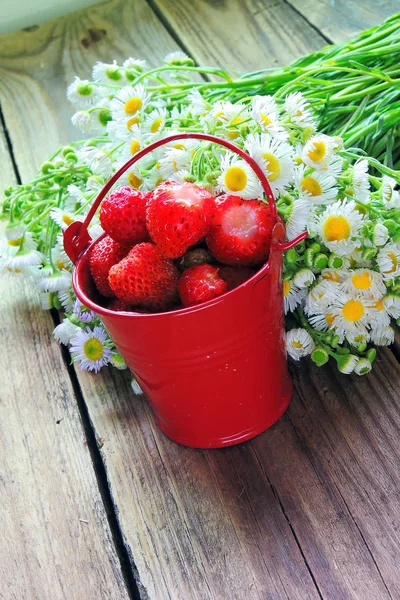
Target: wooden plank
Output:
[(37, 65), (55, 540), (240, 35), (342, 20)]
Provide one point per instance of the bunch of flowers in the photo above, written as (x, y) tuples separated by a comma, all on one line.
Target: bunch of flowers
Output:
[(341, 285)]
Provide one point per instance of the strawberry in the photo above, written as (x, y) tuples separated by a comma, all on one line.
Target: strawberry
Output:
[(199, 284), (104, 255), (123, 216), (178, 215), (240, 232), (235, 276), (145, 277), (193, 257)]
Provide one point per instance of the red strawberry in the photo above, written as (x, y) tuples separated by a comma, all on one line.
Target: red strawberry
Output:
[(145, 277), (178, 215), (123, 216), (240, 232), (199, 284), (119, 305), (235, 276), (104, 255)]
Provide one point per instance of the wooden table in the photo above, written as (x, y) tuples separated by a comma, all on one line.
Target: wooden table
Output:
[(95, 502)]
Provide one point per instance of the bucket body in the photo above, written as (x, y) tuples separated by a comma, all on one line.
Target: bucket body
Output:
[(215, 374)]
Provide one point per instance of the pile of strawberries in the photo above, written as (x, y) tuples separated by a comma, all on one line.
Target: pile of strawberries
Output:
[(177, 242)]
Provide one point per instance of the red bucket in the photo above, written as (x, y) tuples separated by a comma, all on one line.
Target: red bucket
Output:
[(215, 374)]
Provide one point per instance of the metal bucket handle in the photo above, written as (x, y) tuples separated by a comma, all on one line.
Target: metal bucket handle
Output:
[(77, 238)]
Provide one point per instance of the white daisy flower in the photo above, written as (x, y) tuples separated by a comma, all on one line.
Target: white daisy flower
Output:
[(82, 92), (177, 116), (338, 226), (14, 233), (319, 186), (382, 336), (265, 112), (65, 331), (380, 235), (132, 146), (363, 366), (24, 257), (177, 58), (298, 219), (381, 317), (237, 178), (351, 314), (275, 157), (197, 104), (299, 343), (175, 159), (155, 122), (319, 298), (292, 295), (91, 349), (318, 151), (129, 102), (323, 320), (124, 129), (304, 278), (336, 275), (82, 120), (63, 218), (82, 312), (60, 258), (299, 111), (367, 283), (104, 73), (361, 184), (67, 299), (390, 196), (224, 113), (358, 339), (98, 161), (334, 166), (388, 260), (134, 64), (392, 305), (59, 281)]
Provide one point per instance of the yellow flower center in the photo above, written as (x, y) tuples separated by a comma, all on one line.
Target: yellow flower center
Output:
[(363, 281), (234, 134), (378, 305), (286, 288), (67, 219), (156, 125), (219, 114), (133, 105), (60, 264), (265, 120), (134, 147), (15, 242), (134, 181), (318, 152), (272, 165), (311, 185), (179, 146), (93, 349), (131, 122), (353, 310), (394, 260), (336, 228), (235, 179), (329, 319), (332, 276), (298, 113), (10, 270), (296, 344)]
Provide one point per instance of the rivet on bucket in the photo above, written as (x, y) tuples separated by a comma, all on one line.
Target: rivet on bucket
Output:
[(215, 374)]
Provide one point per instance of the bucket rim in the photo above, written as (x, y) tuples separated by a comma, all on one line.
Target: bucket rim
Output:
[(277, 233)]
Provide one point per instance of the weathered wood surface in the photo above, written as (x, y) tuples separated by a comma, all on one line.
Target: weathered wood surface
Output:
[(240, 35), (341, 20), (55, 540), (310, 508)]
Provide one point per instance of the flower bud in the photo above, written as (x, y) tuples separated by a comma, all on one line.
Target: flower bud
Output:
[(319, 356), (320, 261), (346, 363)]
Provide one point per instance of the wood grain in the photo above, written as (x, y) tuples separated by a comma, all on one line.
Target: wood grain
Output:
[(240, 35), (342, 20), (47, 481), (36, 67)]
